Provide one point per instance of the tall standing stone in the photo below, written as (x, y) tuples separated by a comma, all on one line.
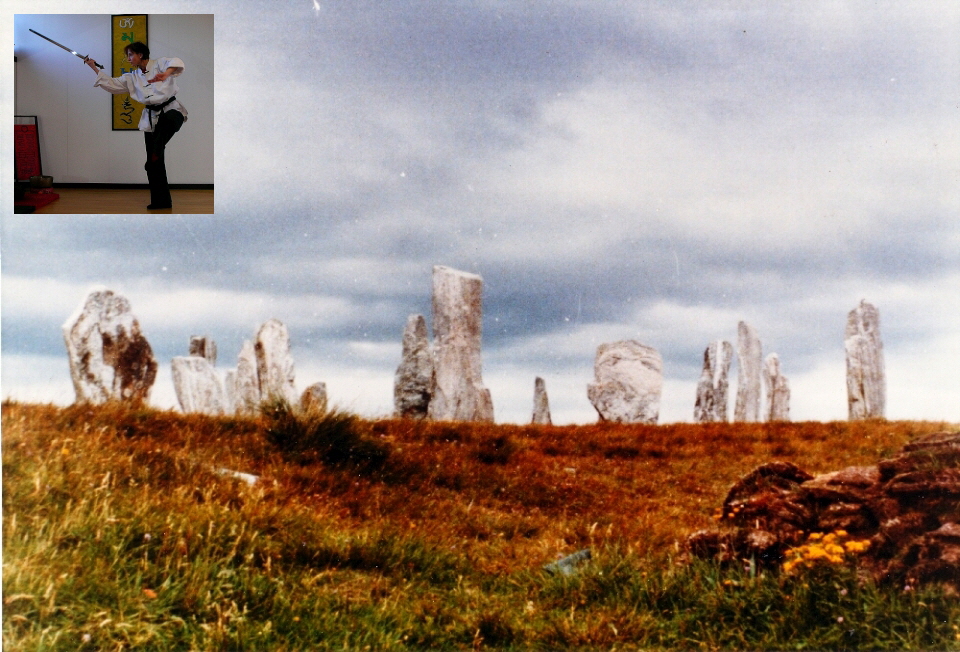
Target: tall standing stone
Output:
[(458, 393), (413, 381), (204, 347), (274, 363), (750, 361), (628, 382), (541, 404), (109, 357), (778, 390), (711, 403), (246, 393), (866, 381), (197, 385)]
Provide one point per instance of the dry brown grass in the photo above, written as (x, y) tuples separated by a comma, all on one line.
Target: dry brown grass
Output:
[(510, 496), (488, 503)]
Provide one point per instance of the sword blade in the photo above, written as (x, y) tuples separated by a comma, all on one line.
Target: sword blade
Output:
[(74, 52)]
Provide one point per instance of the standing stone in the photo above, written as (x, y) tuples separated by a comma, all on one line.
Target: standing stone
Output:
[(274, 363), (230, 391), (414, 378), (711, 403), (246, 394), (750, 360), (197, 386), (866, 381), (541, 404), (205, 347), (314, 398), (628, 382), (778, 390), (458, 393), (110, 359)]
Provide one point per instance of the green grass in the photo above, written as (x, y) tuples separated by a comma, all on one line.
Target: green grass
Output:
[(118, 533)]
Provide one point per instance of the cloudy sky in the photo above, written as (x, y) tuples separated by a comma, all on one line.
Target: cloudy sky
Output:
[(614, 170)]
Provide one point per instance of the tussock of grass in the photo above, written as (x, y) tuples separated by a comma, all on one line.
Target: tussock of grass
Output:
[(333, 437), (120, 534)]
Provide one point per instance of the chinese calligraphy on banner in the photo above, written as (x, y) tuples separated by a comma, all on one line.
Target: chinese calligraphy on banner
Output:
[(125, 29)]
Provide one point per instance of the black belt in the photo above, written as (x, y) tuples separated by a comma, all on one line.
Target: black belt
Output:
[(156, 108)]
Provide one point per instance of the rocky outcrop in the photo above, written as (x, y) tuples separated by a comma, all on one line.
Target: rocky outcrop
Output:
[(204, 347), (778, 390), (628, 382), (413, 381), (541, 404), (711, 403), (457, 392), (275, 373), (197, 385), (109, 357), (314, 398), (750, 361), (907, 507), (866, 383)]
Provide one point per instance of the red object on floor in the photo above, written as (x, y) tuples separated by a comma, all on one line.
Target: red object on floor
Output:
[(37, 198)]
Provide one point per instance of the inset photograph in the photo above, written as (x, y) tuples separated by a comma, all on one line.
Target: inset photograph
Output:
[(114, 113)]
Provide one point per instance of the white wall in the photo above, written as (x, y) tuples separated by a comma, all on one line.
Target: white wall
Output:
[(77, 143)]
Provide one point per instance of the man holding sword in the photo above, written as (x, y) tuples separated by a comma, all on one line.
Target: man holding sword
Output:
[(152, 82)]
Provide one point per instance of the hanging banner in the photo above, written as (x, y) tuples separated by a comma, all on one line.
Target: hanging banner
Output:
[(125, 29)]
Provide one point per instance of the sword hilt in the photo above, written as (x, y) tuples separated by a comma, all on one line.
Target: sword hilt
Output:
[(94, 63)]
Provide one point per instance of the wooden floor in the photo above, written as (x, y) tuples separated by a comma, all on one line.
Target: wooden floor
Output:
[(88, 201)]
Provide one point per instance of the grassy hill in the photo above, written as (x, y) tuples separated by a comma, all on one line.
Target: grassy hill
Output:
[(126, 529)]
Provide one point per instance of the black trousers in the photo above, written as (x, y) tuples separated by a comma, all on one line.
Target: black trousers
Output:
[(165, 125)]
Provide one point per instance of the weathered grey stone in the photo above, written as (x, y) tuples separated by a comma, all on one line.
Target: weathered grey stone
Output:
[(750, 361), (230, 391), (246, 394), (274, 363), (711, 403), (866, 383), (109, 357), (205, 347), (413, 381), (197, 385), (628, 382), (314, 398), (541, 404), (778, 390), (570, 564), (458, 393)]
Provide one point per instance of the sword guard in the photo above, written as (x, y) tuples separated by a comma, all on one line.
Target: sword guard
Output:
[(94, 63)]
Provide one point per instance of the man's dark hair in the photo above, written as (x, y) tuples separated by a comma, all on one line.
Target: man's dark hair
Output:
[(138, 48)]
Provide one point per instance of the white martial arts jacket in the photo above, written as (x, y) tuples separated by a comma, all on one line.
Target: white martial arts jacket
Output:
[(135, 83)]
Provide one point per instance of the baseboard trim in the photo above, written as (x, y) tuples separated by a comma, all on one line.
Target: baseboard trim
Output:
[(132, 186)]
